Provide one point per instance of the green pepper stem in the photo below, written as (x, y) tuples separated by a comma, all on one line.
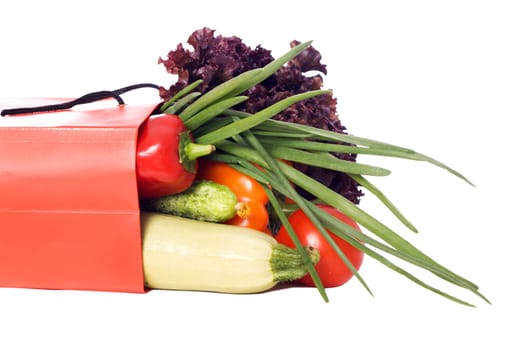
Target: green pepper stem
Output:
[(190, 151), (196, 150)]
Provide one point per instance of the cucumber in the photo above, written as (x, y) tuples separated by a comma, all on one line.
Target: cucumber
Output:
[(204, 200)]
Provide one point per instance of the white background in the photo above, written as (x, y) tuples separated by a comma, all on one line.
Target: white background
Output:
[(446, 78)]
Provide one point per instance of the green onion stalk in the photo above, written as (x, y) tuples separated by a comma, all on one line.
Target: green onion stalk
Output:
[(245, 140)]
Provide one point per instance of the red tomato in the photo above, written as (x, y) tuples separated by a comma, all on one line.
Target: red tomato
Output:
[(331, 268)]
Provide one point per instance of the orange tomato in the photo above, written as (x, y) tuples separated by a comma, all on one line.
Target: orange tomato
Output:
[(251, 214), (251, 211)]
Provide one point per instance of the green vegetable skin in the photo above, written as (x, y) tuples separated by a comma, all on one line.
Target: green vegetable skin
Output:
[(204, 201)]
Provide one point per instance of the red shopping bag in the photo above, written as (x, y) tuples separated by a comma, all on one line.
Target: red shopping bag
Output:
[(69, 211)]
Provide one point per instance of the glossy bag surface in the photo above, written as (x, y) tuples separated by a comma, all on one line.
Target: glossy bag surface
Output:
[(69, 212)]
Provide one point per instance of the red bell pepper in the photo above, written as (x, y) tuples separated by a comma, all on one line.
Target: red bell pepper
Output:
[(166, 157)]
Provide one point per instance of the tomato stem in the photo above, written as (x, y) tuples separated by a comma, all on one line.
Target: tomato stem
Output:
[(242, 210)]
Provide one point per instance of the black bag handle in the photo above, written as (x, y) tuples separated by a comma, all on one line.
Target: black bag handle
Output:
[(87, 98)]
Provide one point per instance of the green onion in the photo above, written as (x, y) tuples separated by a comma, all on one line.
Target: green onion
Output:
[(411, 257), (240, 82), (180, 94), (212, 111), (243, 140), (326, 135), (401, 248), (324, 160), (281, 180), (341, 229), (298, 141), (284, 221), (386, 234), (179, 104), (247, 123), (361, 180)]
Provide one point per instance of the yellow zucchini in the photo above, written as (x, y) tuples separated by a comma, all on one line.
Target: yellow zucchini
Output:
[(185, 254)]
